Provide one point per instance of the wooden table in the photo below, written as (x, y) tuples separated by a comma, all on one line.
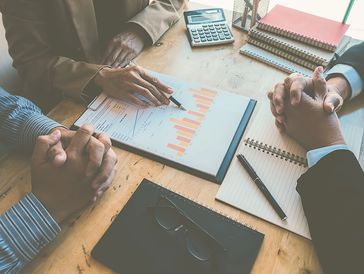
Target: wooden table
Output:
[(221, 67)]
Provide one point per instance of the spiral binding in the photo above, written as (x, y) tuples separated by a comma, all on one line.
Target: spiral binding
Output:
[(319, 61), (283, 67), (274, 151), (297, 36), (283, 54)]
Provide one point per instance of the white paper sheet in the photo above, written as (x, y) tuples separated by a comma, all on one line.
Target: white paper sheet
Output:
[(197, 138)]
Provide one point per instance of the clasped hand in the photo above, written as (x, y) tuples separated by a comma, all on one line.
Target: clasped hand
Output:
[(70, 169), (304, 109)]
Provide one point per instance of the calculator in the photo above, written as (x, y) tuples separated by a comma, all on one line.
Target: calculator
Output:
[(207, 27)]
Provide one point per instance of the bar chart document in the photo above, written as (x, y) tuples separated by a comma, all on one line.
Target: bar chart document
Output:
[(201, 140)]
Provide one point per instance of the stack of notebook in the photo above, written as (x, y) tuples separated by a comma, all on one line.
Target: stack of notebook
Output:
[(294, 41)]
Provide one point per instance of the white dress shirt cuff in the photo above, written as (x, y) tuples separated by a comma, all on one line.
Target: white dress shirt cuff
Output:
[(351, 76), (315, 155)]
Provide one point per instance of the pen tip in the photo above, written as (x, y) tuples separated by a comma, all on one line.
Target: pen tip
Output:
[(181, 107)]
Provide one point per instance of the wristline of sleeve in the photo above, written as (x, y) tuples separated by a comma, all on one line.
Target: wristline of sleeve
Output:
[(329, 174)]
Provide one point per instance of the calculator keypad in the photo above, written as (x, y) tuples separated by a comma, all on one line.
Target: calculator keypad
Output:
[(210, 34)]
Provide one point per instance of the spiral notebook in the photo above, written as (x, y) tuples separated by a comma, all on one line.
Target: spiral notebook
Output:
[(274, 60), (314, 30), (282, 53), (137, 243), (296, 51), (279, 161)]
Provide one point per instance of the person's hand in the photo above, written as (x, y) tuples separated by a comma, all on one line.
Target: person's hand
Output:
[(337, 90), (131, 83), (101, 159), (124, 47), (57, 153), (307, 121), (334, 93), (64, 190)]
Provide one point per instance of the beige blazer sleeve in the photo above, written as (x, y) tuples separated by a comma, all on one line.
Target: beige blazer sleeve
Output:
[(159, 16), (33, 56)]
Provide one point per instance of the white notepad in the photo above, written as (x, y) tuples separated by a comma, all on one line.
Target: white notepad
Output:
[(279, 170)]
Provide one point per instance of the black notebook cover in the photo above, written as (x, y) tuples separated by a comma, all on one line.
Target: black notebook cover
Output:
[(135, 243), (230, 154)]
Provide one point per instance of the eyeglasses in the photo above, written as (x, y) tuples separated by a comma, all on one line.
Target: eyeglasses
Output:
[(199, 243)]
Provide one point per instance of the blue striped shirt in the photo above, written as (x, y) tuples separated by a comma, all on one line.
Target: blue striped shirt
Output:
[(26, 227), (21, 122)]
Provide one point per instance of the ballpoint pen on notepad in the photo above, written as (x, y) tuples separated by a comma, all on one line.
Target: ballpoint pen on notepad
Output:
[(244, 162), (173, 100)]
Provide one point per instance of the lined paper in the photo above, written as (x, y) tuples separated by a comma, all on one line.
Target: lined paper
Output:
[(279, 175)]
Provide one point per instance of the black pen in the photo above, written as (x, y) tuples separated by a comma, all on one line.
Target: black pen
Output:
[(178, 104), (244, 162)]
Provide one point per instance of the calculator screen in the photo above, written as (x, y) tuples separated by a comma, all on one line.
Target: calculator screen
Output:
[(206, 17)]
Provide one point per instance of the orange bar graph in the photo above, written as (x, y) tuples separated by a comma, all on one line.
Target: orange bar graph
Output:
[(183, 144), (202, 106), (187, 127), (184, 123), (204, 91), (202, 102), (177, 148), (192, 121), (196, 113), (208, 92), (185, 134), (184, 129), (183, 139), (203, 98)]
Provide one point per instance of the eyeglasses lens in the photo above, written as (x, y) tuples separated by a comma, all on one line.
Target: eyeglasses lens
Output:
[(199, 245)]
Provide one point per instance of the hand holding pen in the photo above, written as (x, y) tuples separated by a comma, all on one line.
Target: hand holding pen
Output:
[(133, 83), (162, 90)]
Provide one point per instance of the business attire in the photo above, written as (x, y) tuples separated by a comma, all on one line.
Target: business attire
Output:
[(21, 122), (56, 45), (332, 193), (332, 190), (351, 66), (26, 227)]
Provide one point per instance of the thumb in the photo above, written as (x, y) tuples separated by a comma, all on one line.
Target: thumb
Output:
[(42, 145), (332, 102), (319, 82), (57, 155)]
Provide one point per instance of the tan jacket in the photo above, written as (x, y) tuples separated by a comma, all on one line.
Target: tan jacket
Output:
[(55, 46)]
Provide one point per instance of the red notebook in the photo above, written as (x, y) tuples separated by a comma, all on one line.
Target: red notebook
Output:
[(314, 30)]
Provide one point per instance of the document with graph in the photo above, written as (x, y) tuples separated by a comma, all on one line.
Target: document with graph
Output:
[(201, 140)]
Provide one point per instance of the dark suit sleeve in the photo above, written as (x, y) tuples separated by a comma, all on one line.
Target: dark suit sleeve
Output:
[(332, 194), (354, 57)]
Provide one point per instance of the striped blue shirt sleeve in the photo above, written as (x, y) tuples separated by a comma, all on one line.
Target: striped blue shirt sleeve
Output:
[(24, 230), (21, 122)]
